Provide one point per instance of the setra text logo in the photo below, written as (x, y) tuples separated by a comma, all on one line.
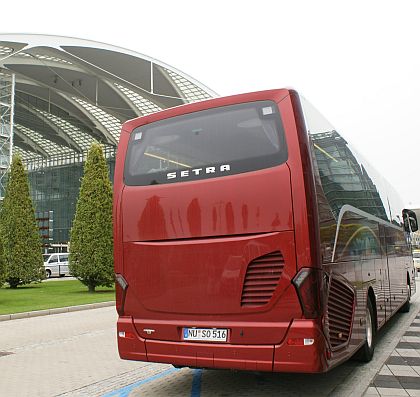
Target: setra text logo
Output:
[(197, 171)]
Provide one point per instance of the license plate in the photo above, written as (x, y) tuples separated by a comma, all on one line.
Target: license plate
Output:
[(205, 334)]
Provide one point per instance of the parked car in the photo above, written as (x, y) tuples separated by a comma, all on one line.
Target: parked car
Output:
[(56, 265), (416, 258)]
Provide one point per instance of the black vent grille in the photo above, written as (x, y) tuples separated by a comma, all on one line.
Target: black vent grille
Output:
[(339, 312), (261, 279)]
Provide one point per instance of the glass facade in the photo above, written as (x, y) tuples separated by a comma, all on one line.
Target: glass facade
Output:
[(55, 184)]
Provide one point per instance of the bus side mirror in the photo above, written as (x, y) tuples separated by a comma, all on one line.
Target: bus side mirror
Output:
[(410, 221)]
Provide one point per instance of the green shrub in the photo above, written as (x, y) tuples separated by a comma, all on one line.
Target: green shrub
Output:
[(91, 242), (21, 244)]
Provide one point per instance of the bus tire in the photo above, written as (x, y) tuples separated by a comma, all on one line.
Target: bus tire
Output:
[(365, 353), (405, 308)]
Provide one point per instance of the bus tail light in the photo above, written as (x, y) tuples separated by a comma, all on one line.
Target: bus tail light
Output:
[(307, 286), (121, 286)]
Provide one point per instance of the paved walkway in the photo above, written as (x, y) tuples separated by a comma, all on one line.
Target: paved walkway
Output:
[(49, 355), (400, 375)]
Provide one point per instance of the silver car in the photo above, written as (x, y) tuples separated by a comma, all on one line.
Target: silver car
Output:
[(56, 265), (416, 259)]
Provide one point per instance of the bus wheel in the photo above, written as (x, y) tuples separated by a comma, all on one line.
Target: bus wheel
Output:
[(405, 308), (365, 353)]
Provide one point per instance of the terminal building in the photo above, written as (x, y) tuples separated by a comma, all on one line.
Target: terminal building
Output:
[(60, 94)]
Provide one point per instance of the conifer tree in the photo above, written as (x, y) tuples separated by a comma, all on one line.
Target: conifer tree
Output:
[(21, 243), (91, 242)]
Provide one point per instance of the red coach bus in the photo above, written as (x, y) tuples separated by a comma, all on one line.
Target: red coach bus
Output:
[(250, 235)]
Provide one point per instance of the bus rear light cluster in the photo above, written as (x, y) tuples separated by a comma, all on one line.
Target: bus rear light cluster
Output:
[(121, 286), (307, 284), (121, 281), (300, 341)]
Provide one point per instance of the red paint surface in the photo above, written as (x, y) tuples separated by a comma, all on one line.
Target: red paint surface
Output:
[(184, 249), (211, 207)]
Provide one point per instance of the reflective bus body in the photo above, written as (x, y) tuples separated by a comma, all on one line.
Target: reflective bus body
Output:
[(250, 235)]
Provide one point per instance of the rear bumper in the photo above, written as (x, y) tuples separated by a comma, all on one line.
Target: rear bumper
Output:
[(308, 359), (278, 358)]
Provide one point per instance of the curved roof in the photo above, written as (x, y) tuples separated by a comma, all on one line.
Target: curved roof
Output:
[(70, 92)]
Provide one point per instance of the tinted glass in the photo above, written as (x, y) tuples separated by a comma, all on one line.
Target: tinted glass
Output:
[(54, 259), (64, 258), (354, 201), (345, 175), (358, 238), (210, 143), (46, 256)]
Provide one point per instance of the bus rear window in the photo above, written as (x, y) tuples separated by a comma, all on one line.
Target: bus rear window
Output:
[(210, 143)]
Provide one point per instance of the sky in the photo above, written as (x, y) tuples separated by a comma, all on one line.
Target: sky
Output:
[(357, 61)]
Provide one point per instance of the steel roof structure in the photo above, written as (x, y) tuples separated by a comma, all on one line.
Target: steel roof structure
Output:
[(70, 92)]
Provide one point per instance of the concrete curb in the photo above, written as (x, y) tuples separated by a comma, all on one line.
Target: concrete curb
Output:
[(58, 310)]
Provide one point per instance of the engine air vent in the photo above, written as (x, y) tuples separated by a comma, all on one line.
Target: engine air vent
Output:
[(261, 279), (339, 312)]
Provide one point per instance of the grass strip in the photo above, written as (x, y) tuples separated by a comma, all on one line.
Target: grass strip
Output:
[(49, 295)]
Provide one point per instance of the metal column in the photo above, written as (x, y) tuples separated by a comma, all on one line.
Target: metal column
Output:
[(7, 104)]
